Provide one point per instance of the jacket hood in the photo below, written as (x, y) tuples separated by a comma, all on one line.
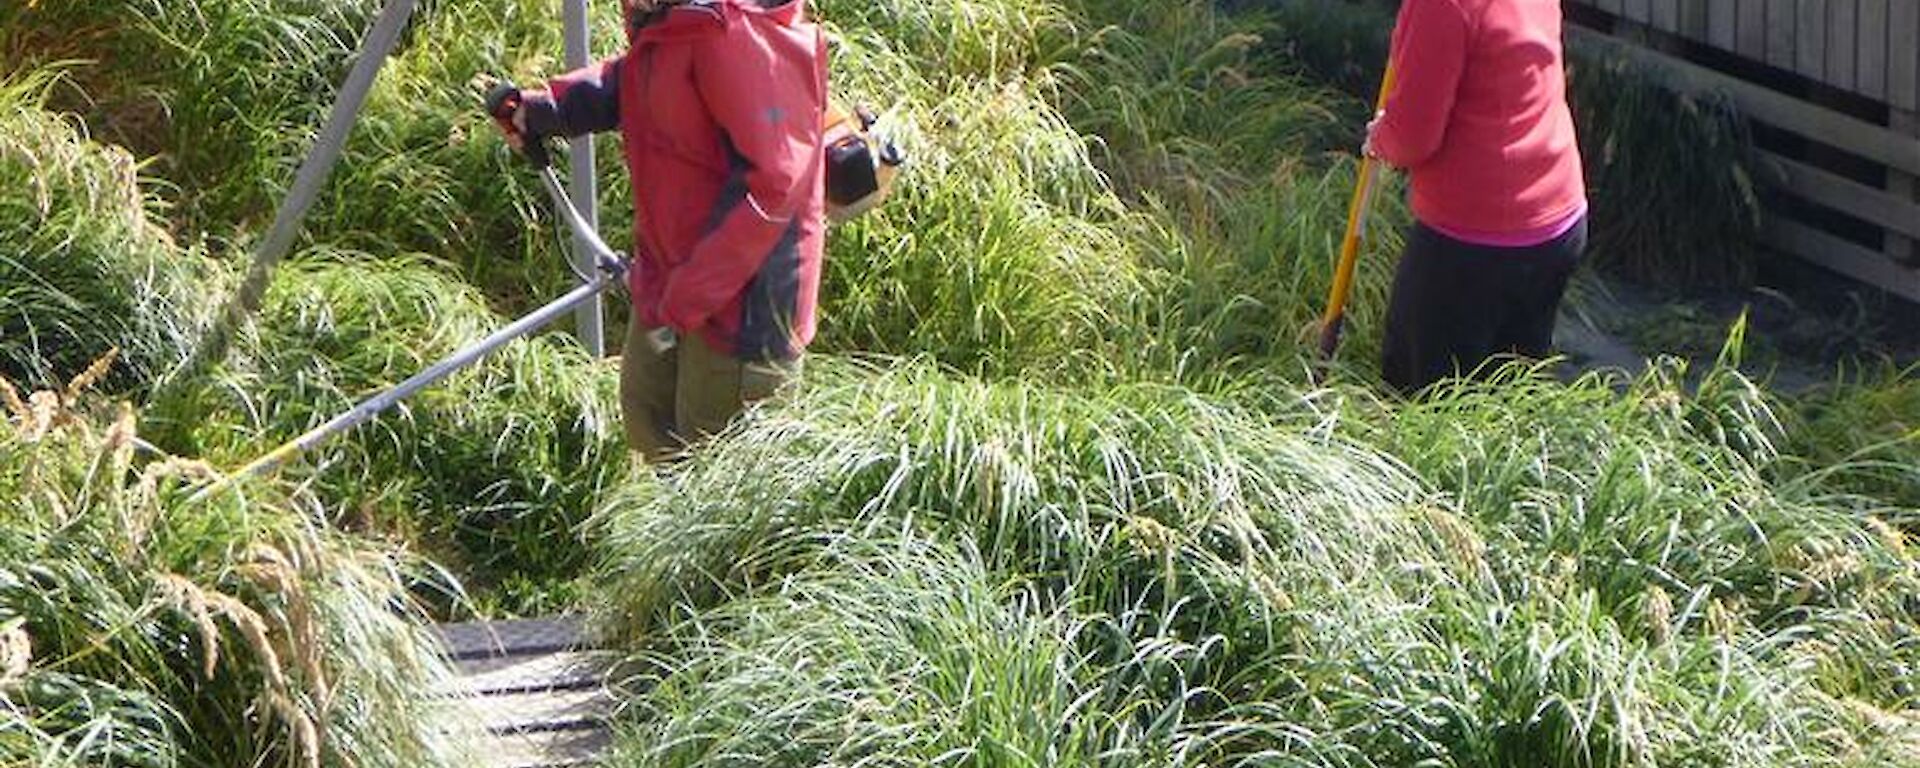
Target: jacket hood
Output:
[(699, 18)]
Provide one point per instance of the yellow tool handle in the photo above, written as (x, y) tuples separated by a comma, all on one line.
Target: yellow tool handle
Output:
[(1357, 211)]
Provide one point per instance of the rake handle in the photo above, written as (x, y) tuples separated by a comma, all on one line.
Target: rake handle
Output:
[(1333, 322)]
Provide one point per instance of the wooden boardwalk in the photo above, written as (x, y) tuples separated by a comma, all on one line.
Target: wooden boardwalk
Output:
[(530, 694)]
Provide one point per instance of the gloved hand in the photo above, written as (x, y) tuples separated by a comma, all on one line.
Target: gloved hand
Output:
[(508, 110)]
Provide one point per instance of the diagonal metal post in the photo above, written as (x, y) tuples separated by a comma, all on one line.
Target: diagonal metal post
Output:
[(307, 183), (588, 317), (607, 271)]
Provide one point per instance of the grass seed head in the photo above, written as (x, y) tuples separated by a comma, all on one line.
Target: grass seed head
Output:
[(172, 466), (1659, 614), (1889, 536), (1150, 537), (300, 727), (187, 597), (94, 372), (43, 414), (1461, 542), (1723, 617), (270, 570), (120, 434), (254, 628)]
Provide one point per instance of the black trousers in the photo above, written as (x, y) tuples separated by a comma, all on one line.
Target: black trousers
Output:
[(1457, 305)]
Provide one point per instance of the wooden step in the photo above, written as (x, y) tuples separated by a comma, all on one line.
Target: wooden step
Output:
[(543, 749), (483, 639), (527, 673), (563, 710), (529, 694)]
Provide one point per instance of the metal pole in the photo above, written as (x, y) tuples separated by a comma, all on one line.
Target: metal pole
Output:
[(306, 185), (588, 319), (607, 270), (372, 407)]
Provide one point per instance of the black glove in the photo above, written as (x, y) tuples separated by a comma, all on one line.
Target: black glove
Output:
[(503, 102)]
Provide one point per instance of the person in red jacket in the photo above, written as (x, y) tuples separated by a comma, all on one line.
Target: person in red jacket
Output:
[(719, 105), (1479, 120)]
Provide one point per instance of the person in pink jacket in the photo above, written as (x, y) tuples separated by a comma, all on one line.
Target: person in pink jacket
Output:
[(719, 105), (1478, 119)]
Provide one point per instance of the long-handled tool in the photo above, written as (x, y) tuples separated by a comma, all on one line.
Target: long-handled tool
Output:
[(1335, 318), (610, 273)]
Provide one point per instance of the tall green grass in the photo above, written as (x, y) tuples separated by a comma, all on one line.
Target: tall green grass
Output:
[(1684, 494), (1185, 101), (896, 652), (999, 254), (490, 470), (1860, 433), (1077, 511), (141, 631), (225, 93), (967, 40), (1317, 581), (87, 262)]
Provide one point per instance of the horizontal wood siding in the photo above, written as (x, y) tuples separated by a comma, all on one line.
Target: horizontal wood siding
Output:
[(1864, 44), (1867, 47)]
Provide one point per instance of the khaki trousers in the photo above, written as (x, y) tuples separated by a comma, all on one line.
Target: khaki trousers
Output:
[(672, 400)]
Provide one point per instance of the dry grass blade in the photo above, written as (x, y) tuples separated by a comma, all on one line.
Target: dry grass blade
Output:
[(186, 596), (10, 398)]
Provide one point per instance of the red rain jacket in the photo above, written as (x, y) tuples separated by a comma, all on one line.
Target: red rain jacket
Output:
[(719, 105)]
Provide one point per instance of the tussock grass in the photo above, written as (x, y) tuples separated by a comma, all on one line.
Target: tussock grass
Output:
[(1242, 285), (491, 470), (87, 263), (1338, 583), (1184, 101), (1862, 432), (138, 631), (1685, 495), (998, 255), (1148, 508), (1672, 177), (1050, 482), (896, 652), (966, 40)]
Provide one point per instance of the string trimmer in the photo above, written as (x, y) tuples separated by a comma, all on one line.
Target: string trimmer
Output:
[(611, 269)]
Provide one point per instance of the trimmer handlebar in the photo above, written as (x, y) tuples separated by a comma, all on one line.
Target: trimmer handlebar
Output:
[(503, 102)]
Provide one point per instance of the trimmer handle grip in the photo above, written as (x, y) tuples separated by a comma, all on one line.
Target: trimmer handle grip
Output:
[(503, 102)]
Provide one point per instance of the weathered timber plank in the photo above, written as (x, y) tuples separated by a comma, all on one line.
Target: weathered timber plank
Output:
[(507, 638)]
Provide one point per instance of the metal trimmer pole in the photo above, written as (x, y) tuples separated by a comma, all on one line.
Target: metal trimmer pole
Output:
[(372, 407), (607, 271), (307, 183)]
